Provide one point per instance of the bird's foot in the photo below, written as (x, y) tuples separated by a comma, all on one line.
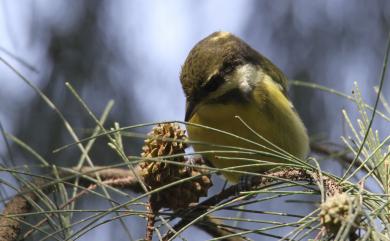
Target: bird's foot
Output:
[(246, 183)]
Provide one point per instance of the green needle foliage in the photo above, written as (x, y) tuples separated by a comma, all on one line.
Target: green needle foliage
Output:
[(352, 206)]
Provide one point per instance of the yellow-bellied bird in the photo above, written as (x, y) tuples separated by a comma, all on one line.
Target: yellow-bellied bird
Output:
[(223, 77)]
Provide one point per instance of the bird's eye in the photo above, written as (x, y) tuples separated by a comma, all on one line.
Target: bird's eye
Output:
[(213, 83)]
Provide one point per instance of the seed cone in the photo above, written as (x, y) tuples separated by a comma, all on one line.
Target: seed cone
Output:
[(336, 211), (165, 140)]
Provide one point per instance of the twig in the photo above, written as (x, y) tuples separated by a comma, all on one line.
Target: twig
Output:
[(21, 203), (293, 174), (121, 178), (152, 211), (112, 182)]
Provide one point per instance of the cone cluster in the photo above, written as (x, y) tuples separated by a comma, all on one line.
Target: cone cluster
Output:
[(335, 211), (164, 141)]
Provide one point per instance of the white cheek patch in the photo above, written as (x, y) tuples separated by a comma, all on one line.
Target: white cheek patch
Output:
[(246, 77)]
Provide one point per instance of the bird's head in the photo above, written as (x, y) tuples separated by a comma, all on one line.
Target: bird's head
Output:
[(222, 64)]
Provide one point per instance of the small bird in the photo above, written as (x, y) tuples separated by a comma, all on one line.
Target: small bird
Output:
[(224, 78)]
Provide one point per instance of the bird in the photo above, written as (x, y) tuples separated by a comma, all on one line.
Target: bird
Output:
[(231, 87)]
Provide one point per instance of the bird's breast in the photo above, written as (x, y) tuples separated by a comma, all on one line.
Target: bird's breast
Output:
[(268, 113)]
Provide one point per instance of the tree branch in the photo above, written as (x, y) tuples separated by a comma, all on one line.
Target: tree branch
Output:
[(293, 174), (125, 179)]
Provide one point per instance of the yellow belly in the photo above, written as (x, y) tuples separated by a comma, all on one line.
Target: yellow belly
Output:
[(269, 113)]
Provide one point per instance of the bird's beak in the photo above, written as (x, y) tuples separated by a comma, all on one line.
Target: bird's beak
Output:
[(190, 109)]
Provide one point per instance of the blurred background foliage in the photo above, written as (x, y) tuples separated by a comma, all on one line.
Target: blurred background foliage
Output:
[(132, 51)]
